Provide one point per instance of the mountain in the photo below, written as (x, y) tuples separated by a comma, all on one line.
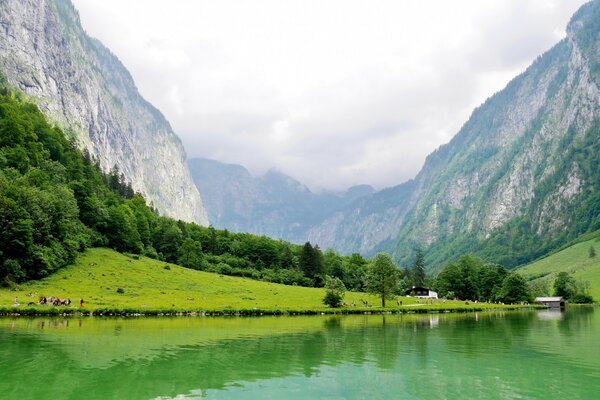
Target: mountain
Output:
[(81, 86), (274, 204), (517, 181)]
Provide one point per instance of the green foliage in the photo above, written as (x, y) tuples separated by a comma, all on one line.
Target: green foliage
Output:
[(55, 202), (581, 298), (418, 270), (311, 263), (565, 285), (190, 254), (355, 272), (382, 278), (592, 252), (514, 290), (576, 291), (461, 278), (334, 292), (470, 279)]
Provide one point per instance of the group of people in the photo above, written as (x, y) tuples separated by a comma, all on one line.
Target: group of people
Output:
[(55, 301), (50, 301)]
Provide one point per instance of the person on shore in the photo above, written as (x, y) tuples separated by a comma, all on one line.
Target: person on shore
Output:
[(81, 303)]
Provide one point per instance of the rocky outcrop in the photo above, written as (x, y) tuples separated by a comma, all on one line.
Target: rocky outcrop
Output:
[(80, 85)]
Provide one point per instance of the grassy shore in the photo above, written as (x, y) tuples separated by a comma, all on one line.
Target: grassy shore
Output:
[(574, 259), (114, 284)]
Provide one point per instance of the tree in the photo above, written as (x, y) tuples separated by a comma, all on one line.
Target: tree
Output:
[(190, 253), (382, 277), (564, 285), (514, 289), (213, 246), (333, 264), (356, 271), (461, 278), (335, 291), (311, 263), (287, 260), (419, 269), (491, 278)]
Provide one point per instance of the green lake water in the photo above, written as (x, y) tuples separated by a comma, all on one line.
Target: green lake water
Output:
[(508, 355)]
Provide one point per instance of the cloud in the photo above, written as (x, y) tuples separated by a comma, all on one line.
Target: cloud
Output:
[(333, 93)]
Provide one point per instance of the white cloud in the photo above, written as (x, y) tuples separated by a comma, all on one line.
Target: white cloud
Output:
[(333, 93)]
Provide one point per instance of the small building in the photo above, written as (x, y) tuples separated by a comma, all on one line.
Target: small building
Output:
[(551, 302), (422, 292)]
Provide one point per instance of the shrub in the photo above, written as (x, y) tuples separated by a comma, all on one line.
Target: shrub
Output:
[(581, 298), (120, 290), (335, 291), (332, 299)]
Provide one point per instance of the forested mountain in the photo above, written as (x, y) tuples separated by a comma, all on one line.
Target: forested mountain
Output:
[(56, 202), (518, 180), (79, 84), (274, 204)]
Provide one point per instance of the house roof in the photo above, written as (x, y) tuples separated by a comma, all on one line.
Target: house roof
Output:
[(541, 299)]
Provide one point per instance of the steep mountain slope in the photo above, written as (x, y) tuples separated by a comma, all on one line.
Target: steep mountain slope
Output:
[(79, 84), (518, 180), (273, 204)]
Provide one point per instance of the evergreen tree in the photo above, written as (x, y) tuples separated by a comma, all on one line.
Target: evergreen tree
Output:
[(287, 259), (311, 263), (418, 274)]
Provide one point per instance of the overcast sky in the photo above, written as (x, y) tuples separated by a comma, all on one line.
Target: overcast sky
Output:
[(333, 93)]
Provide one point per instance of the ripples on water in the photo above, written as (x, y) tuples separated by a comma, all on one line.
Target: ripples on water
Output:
[(529, 355)]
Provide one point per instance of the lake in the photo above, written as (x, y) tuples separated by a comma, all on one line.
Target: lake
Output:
[(493, 355)]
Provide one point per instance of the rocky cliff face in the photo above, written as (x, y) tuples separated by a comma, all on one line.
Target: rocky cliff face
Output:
[(515, 181), (83, 87), (274, 204)]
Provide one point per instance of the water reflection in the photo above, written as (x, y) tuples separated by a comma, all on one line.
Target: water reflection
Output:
[(551, 314), (483, 355)]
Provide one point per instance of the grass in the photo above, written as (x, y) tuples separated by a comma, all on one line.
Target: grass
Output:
[(574, 259), (113, 283)]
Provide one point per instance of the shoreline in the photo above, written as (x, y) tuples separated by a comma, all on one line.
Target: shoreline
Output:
[(131, 312)]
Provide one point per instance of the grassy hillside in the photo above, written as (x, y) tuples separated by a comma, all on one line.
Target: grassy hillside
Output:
[(574, 259), (150, 285)]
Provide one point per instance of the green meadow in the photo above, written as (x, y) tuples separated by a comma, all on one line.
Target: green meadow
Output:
[(110, 282), (574, 259)]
